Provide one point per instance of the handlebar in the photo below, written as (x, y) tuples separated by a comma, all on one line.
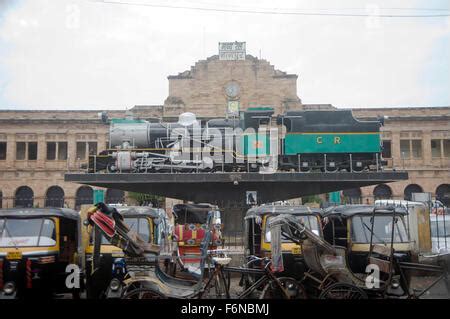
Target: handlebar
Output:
[(254, 258)]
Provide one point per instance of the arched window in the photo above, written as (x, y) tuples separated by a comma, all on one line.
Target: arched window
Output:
[(443, 194), (114, 196), (382, 191), (84, 195), (24, 197), (410, 189), (54, 197), (352, 196)]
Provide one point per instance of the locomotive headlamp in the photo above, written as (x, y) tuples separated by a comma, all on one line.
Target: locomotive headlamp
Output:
[(395, 283), (115, 284), (9, 288)]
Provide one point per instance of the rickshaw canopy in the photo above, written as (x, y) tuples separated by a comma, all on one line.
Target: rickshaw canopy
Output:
[(347, 211), (281, 209), (139, 211), (40, 212)]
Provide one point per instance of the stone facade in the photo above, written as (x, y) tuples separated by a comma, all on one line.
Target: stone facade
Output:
[(203, 89), (416, 129)]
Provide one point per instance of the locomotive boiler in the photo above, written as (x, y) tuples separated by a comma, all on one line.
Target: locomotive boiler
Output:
[(304, 141)]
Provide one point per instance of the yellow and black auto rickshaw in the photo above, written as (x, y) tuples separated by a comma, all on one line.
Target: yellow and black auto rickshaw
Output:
[(257, 241), (36, 246), (351, 226), (147, 222)]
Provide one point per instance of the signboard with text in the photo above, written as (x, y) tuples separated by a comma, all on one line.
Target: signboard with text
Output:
[(231, 51)]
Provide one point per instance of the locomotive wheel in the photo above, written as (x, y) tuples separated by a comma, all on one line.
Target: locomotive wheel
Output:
[(143, 293), (305, 169), (342, 290), (357, 169), (331, 169)]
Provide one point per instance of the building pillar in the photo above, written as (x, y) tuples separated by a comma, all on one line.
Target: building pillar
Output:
[(395, 148), (426, 148), (41, 151), (71, 151), (11, 150)]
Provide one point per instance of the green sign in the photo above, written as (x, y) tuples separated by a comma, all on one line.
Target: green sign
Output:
[(99, 195), (335, 197)]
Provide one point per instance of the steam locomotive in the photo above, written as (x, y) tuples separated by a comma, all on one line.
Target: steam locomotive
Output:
[(303, 141)]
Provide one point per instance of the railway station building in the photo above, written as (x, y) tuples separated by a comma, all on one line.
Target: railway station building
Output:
[(37, 147)]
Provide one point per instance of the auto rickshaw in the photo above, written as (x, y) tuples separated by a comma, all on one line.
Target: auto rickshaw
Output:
[(350, 226), (257, 241), (147, 222), (36, 246), (189, 231)]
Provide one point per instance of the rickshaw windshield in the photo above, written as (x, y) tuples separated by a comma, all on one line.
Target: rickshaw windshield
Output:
[(139, 225), (28, 232), (382, 229), (308, 220), (192, 218)]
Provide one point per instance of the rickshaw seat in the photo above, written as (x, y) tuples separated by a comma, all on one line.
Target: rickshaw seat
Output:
[(223, 261), (382, 264), (381, 249), (339, 268), (326, 264), (168, 286)]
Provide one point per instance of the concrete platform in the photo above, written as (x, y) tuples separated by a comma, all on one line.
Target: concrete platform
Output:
[(221, 188)]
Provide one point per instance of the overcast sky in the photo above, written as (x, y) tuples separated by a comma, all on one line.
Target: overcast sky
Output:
[(61, 54)]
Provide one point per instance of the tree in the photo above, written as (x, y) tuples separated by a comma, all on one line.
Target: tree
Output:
[(147, 199)]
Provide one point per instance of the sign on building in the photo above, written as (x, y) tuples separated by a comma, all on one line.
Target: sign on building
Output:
[(251, 197), (233, 108), (231, 51), (99, 195)]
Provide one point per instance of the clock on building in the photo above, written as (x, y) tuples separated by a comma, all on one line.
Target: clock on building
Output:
[(232, 90)]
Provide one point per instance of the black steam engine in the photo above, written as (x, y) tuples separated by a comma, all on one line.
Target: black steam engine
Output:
[(327, 141)]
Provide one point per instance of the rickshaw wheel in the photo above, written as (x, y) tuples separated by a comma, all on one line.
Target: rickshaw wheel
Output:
[(143, 293), (342, 290), (294, 289)]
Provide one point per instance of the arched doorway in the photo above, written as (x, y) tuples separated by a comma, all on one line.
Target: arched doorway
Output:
[(84, 195), (114, 196), (54, 197), (352, 196), (443, 194), (382, 191), (24, 197), (410, 189)]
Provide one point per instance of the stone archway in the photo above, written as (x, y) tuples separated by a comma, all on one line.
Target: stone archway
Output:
[(352, 196), (24, 197), (84, 195), (54, 197), (382, 191), (410, 189), (114, 196), (443, 194)]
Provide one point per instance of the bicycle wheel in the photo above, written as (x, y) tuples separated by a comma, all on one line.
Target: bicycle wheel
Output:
[(292, 287), (342, 290), (143, 293), (221, 287)]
